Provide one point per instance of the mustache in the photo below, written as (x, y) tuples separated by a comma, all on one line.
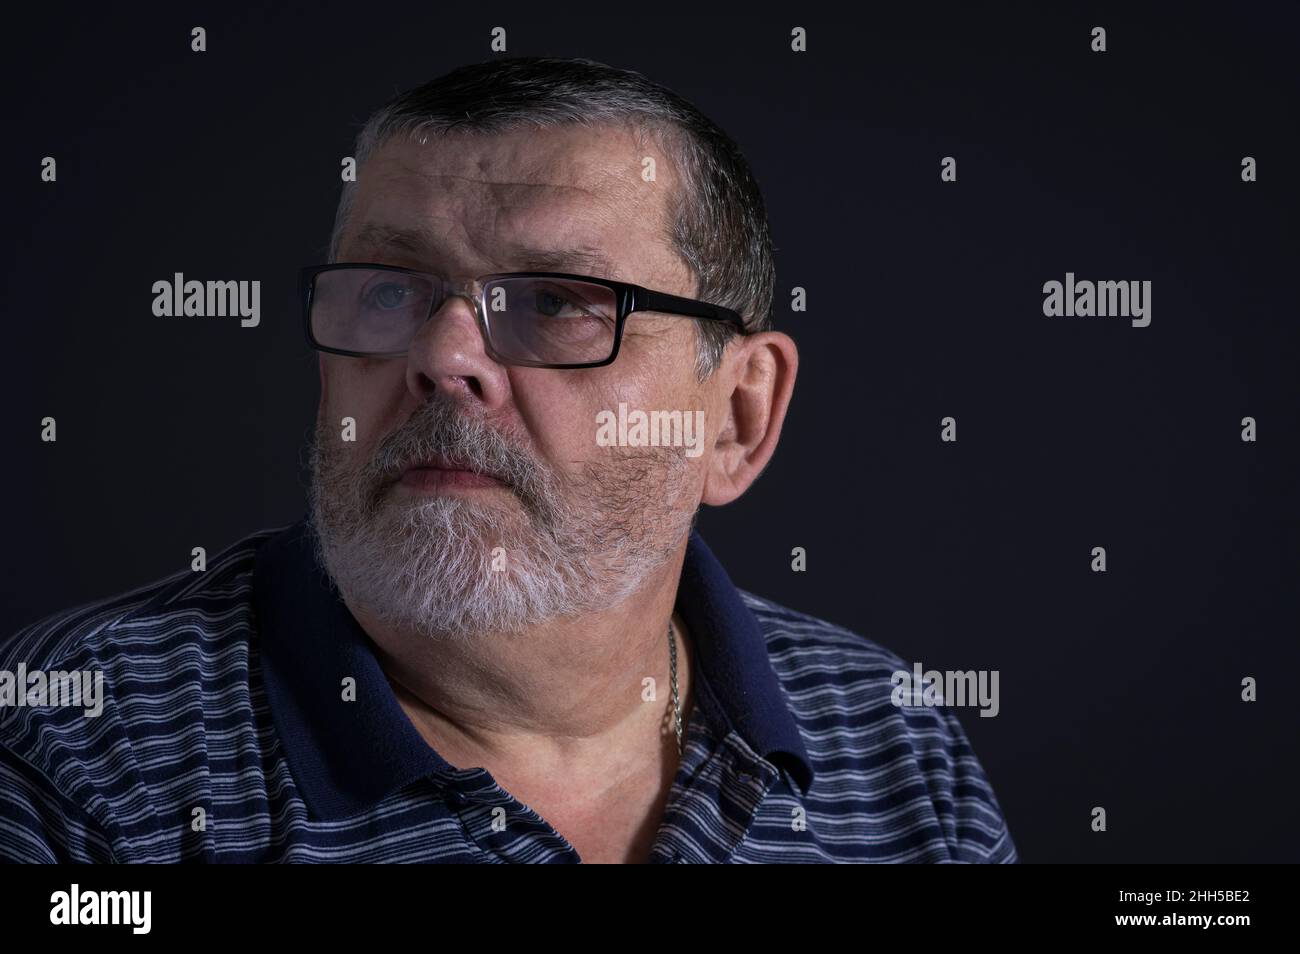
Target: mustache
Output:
[(440, 428)]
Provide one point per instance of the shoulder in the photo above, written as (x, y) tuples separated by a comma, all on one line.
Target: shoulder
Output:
[(907, 762), (796, 641), (129, 623), (139, 621), (107, 688)]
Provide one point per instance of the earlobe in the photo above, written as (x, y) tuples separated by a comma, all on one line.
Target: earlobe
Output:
[(762, 376)]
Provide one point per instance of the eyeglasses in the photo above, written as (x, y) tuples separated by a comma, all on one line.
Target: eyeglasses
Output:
[(532, 319)]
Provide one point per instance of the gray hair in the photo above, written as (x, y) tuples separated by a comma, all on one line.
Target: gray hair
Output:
[(718, 224)]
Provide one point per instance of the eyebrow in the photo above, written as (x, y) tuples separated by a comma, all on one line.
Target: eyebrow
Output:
[(422, 241)]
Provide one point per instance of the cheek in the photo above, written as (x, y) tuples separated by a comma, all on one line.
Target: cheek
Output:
[(557, 410), (323, 369), (565, 412), (325, 410), (363, 390)]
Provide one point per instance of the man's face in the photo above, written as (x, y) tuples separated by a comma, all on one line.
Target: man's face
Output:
[(562, 524)]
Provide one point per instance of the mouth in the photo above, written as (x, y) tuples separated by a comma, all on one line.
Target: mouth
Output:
[(438, 474)]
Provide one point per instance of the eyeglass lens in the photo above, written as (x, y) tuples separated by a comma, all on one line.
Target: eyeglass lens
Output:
[(535, 319)]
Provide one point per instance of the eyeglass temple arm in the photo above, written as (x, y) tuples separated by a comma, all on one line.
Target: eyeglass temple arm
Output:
[(646, 300)]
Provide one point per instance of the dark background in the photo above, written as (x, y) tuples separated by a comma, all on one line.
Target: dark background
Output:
[(1119, 689)]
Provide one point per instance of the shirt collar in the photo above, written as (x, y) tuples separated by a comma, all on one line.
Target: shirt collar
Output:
[(350, 745)]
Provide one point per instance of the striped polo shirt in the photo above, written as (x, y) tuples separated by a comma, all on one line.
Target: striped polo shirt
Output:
[(225, 736)]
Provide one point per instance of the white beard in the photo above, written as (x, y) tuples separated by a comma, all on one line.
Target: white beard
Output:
[(451, 567)]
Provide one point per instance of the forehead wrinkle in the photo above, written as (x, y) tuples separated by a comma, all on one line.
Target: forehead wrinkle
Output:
[(424, 242), (532, 163), (508, 187), (616, 194)]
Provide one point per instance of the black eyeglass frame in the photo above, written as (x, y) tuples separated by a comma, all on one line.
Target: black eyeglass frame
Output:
[(630, 298)]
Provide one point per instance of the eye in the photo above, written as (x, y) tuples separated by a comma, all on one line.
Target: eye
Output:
[(549, 303), (388, 296), (558, 301)]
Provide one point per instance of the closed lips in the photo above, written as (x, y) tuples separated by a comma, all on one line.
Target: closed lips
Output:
[(448, 466)]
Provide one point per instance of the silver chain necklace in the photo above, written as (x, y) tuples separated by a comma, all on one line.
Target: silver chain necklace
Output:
[(677, 702)]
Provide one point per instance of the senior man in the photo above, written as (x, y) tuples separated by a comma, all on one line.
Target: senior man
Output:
[(496, 635)]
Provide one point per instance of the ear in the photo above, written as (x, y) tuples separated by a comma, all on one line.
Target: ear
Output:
[(757, 379)]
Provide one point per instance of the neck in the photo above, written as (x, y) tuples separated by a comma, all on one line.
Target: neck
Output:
[(563, 699)]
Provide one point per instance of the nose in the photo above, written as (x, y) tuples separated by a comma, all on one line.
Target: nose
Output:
[(448, 353)]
